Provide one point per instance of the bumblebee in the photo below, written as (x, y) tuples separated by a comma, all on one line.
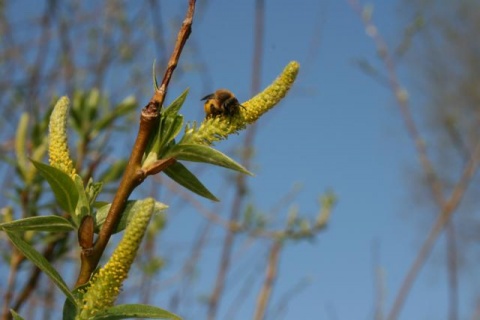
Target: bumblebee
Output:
[(221, 103)]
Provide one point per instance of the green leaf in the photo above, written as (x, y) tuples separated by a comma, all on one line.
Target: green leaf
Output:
[(129, 311), (173, 108), (181, 175), (83, 204), (132, 207), (93, 190), (70, 309), (20, 144), (62, 185), (39, 223), (170, 127), (42, 263), (15, 315), (165, 133), (127, 105), (114, 171), (154, 76), (206, 154)]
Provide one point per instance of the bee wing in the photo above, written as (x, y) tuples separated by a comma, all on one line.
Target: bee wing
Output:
[(210, 96)]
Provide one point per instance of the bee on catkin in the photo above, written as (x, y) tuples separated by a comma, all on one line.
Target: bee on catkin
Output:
[(221, 103)]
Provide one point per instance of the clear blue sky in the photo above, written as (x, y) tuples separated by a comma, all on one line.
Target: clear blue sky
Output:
[(337, 129)]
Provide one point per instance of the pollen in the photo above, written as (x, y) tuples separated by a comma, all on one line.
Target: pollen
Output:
[(219, 128), (59, 155), (106, 284)]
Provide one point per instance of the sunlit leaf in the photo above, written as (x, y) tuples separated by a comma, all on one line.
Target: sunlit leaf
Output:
[(132, 207), (176, 104), (62, 186), (83, 204), (126, 106), (15, 315), (42, 263), (170, 127), (180, 174), (206, 154), (128, 311), (39, 223), (154, 76)]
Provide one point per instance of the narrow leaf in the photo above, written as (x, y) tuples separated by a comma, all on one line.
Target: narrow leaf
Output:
[(176, 104), (131, 209), (129, 311), (114, 171), (181, 175), (42, 263), (127, 105), (70, 309), (83, 204), (171, 126), (206, 154), (15, 315), (40, 223), (62, 185), (20, 143), (154, 76)]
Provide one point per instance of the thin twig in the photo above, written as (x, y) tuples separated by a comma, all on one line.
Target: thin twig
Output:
[(403, 104), (270, 277), (446, 206), (452, 273), (32, 281), (15, 261), (133, 175), (439, 224)]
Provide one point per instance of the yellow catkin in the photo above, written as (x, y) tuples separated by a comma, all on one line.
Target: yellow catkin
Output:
[(106, 284), (273, 94), (59, 156), (214, 129)]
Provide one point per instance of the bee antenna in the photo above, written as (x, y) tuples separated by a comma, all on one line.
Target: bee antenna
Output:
[(209, 96)]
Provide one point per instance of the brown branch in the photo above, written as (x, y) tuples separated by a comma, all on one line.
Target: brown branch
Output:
[(134, 175), (270, 277), (32, 281), (379, 286), (404, 106), (183, 35), (16, 259), (452, 272), (440, 223), (158, 31)]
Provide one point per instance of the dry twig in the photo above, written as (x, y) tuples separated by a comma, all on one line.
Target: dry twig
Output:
[(447, 205)]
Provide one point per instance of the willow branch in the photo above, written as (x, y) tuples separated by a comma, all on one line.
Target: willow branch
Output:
[(134, 175)]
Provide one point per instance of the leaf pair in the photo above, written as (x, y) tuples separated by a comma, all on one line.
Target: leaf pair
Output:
[(163, 146)]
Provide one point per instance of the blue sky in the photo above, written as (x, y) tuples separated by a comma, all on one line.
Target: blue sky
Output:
[(337, 129)]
